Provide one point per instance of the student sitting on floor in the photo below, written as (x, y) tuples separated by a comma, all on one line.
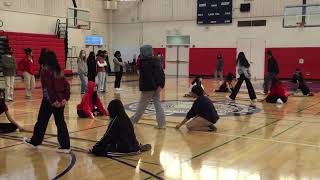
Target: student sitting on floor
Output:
[(203, 115), (300, 83), (7, 127), (91, 105), (226, 86), (196, 82), (277, 93), (119, 139)]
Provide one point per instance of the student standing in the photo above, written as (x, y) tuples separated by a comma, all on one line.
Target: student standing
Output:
[(83, 71), (118, 69), (26, 65), (56, 93), (101, 63), (151, 81), (8, 64), (243, 67), (272, 71), (92, 67), (219, 68), (203, 114)]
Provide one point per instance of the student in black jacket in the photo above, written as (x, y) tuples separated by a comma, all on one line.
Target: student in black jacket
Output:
[(92, 67), (151, 81), (272, 71), (203, 115), (119, 139)]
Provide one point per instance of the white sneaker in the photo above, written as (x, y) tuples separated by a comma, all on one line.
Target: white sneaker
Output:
[(27, 141), (65, 151), (254, 100), (229, 99), (279, 101)]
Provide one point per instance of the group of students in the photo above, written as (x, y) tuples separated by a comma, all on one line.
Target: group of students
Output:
[(99, 66), (277, 93), (119, 138)]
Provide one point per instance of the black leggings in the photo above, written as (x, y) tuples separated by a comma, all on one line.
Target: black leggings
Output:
[(46, 109), (273, 99), (251, 91), (117, 82)]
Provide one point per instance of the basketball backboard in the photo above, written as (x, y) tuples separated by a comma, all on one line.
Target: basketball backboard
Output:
[(78, 18), (305, 15)]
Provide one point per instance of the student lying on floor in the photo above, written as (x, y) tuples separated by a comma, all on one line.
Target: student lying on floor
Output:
[(278, 93)]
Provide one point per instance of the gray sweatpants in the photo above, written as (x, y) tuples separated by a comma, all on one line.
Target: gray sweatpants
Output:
[(145, 98)]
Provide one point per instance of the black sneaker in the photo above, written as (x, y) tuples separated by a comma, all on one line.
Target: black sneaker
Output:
[(212, 128), (145, 147), (27, 141)]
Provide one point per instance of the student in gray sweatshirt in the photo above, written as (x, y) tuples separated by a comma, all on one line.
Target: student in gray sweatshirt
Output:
[(8, 63), (83, 71)]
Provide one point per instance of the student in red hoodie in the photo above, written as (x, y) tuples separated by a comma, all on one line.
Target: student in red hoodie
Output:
[(277, 93), (26, 65), (91, 105), (56, 93)]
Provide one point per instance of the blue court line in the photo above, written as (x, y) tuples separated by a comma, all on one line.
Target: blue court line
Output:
[(70, 166)]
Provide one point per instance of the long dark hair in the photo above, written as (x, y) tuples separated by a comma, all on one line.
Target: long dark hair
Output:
[(242, 60), (91, 56), (42, 57), (52, 63), (116, 54), (116, 109)]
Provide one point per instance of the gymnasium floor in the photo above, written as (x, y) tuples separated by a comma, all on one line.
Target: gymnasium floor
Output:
[(275, 142)]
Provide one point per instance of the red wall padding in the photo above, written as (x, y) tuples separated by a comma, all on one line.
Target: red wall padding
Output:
[(20, 41), (203, 60), (161, 51), (288, 60)]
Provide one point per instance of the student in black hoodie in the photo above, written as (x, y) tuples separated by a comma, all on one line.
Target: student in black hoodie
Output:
[(151, 81), (119, 139), (298, 79), (273, 71), (92, 67), (203, 115)]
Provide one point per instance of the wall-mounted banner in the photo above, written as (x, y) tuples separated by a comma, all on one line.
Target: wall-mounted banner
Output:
[(214, 12)]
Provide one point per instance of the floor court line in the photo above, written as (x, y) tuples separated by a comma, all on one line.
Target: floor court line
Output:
[(286, 129), (307, 107)]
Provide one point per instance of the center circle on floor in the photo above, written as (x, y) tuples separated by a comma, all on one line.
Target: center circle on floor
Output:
[(181, 107)]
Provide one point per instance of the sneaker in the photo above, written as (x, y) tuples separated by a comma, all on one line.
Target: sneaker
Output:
[(212, 128), (65, 151), (229, 99), (10, 99), (279, 101), (27, 141), (145, 147), (254, 100)]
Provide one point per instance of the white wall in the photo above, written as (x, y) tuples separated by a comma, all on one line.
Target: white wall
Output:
[(153, 20)]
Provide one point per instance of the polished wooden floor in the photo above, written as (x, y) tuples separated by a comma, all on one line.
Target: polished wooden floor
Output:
[(279, 142)]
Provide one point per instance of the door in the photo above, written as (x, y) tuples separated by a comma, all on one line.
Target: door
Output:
[(177, 61), (254, 50)]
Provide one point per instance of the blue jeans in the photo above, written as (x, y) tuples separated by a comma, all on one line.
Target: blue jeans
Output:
[(83, 83)]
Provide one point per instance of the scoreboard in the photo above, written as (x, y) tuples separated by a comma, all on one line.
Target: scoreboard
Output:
[(214, 12)]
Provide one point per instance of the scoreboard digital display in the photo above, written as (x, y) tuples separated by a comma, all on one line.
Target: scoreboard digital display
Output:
[(214, 12)]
